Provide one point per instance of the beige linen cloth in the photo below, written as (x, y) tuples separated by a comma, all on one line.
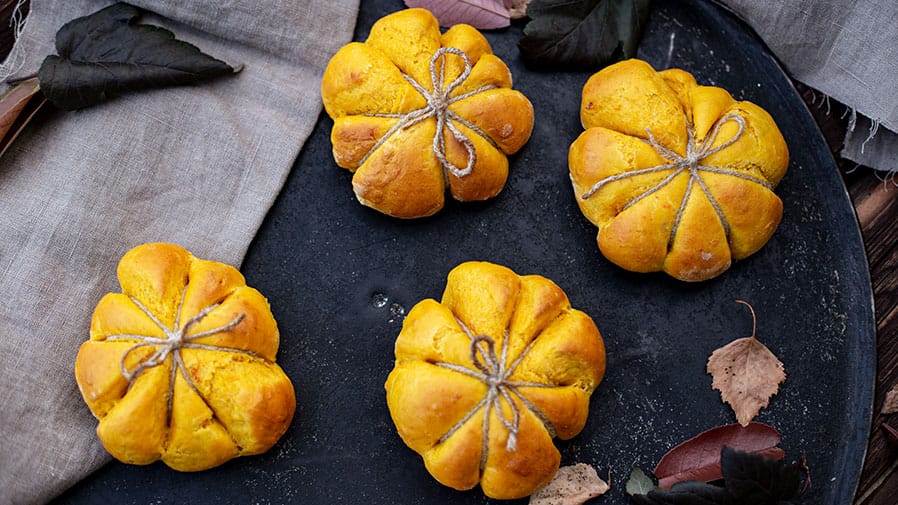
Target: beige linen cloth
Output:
[(197, 165)]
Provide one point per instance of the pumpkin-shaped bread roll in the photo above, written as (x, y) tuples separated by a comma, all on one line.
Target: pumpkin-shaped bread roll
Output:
[(416, 111), (180, 365), (485, 379), (678, 177)]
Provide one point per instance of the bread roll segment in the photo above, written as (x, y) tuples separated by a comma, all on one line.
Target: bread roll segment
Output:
[(180, 367), (677, 177), (418, 114), (485, 379)]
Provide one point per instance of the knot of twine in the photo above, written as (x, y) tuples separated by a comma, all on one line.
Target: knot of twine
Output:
[(438, 102), (691, 162), (494, 371), (175, 339)]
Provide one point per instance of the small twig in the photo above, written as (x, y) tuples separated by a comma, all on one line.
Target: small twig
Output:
[(807, 473)]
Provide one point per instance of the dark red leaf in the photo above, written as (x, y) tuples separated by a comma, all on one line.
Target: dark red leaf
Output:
[(699, 457), (17, 106), (13, 101)]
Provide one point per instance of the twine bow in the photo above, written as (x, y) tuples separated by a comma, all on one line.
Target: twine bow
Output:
[(175, 339), (438, 102), (690, 162), (494, 371)]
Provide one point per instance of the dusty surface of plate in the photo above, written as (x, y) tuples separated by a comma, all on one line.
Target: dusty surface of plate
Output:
[(339, 277)]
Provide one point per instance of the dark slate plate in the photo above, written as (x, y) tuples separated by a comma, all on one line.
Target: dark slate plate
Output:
[(324, 262)]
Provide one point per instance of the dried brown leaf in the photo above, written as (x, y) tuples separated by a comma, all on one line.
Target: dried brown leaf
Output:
[(572, 485), (746, 373), (890, 405), (517, 8)]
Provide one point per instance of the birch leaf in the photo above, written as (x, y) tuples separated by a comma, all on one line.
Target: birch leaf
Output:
[(482, 14), (572, 485), (746, 373)]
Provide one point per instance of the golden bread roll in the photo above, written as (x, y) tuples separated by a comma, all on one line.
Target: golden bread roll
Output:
[(678, 177), (485, 379), (180, 365), (416, 111)]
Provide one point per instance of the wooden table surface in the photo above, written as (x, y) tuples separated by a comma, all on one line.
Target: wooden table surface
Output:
[(876, 203)]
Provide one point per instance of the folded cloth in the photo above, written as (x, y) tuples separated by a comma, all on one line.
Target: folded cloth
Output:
[(195, 165), (848, 51)]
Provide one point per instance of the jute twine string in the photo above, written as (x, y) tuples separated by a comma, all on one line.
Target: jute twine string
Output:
[(494, 371), (175, 339), (690, 162), (438, 102)]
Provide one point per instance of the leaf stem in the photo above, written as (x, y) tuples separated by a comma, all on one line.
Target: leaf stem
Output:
[(16, 80), (807, 474), (754, 320)]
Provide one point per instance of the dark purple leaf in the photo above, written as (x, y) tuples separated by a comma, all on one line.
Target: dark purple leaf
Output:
[(749, 479), (585, 34), (107, 53), (687, 493), (755, 479)]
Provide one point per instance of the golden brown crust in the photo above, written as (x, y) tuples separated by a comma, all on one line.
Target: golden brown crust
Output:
[(554, 357), (383, 181), (398, 171), (693, 223), (228, 399)]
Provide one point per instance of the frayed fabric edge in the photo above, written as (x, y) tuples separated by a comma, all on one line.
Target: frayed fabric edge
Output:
[(15, 60), (868, 142)]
